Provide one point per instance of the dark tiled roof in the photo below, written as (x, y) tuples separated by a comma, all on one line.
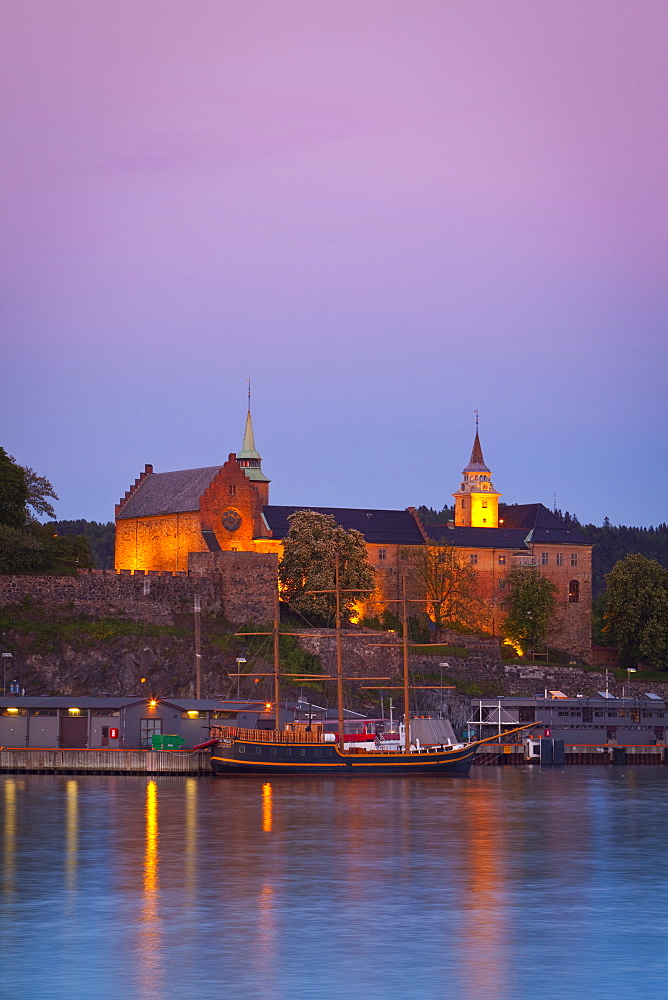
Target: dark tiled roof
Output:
[(540, 523), (169, 492), (393, 527), (479, 538)]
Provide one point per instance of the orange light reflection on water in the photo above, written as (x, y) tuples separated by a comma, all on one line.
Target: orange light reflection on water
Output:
[(267, 807), (9, 854), (482, 924), (151, 973), (72, 834)]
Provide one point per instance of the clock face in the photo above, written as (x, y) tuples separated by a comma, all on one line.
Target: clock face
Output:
[(231, 519)]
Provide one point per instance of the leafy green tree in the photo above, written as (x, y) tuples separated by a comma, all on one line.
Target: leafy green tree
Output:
[(529, 604), (636, 614), (13, 492), (450, 584), (309, 554), (39, 490), (20, 550)]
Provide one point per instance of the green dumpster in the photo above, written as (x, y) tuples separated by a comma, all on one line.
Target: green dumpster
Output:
[(163, 741)]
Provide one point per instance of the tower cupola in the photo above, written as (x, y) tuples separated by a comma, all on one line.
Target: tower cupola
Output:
[(476, 500), (249, 458)]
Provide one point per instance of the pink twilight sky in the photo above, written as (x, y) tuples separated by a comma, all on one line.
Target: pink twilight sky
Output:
[(387, 214)]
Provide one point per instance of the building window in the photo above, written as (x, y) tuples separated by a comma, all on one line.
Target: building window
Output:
[(382, 553), (573, 592), (484, 503), (502, 560), (545, 558), (463, 502), (574, 558), (560, 558), (474, 559), (232, 491), (502, 583), (149, 728)]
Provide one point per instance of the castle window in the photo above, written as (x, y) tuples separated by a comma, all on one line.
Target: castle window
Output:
[(474, 558), (382, 553), (502, 560), (233, 491), (484, 503), (545, 558), (573, 592), (574, 558), (463, 503), (560, 558)]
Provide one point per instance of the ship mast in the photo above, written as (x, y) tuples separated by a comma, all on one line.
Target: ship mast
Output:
[(277, 661), (407, 706), (339, 659)]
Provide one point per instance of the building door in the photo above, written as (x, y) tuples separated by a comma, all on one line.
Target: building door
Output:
[(74, 731), (149, 728)]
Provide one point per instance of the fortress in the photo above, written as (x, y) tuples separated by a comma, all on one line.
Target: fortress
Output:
[(186, 520)]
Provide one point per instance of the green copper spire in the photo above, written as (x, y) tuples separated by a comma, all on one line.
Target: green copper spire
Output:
[(249, 458)]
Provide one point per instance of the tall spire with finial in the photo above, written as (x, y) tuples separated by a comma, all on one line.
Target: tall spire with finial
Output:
[(249, 458), (476, 500)]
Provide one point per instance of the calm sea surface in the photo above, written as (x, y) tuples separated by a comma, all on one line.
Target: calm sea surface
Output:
[(513, 883)]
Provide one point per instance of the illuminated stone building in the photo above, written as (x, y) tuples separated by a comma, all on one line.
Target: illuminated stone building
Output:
[(166, 518)]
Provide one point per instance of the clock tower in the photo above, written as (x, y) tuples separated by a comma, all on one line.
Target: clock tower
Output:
[(476, 500)]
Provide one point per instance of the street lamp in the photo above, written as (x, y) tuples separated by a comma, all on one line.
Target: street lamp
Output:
[(441, 665), (240, 660), (5, 657)]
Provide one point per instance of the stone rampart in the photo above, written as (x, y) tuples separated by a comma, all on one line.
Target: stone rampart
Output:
[(241, 587)]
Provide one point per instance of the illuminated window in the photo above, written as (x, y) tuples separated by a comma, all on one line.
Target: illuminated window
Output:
[(573, 592), (382, 553), (574, 558), (502, 560), (560, 558), (484, 503), (474, 559), (544, 558)]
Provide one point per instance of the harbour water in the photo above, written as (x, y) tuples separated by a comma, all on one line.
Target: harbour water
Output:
[(514, 883)]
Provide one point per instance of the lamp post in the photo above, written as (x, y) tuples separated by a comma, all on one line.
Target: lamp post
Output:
[(5, 657), (240, 660), (441, 665)]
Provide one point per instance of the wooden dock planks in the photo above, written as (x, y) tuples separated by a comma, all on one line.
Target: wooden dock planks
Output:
[(72, 761)]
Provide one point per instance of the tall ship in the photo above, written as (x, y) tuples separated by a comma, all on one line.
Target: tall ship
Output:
[(306, 749)]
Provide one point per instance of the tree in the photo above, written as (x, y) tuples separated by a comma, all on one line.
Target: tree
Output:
[(13, 492), (309, 551), (636, 614), (39, 488), (448, 581), (529, 604)]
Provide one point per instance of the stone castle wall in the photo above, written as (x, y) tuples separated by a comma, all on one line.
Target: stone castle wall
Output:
[(241, 587)]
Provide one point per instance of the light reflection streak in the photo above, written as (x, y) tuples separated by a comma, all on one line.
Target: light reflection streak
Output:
[(190, 840), (9, 854), (267, 807), (71, 835), (150, 931), (482, 939)]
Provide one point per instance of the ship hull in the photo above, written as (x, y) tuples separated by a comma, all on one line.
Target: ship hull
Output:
[(239, 757)]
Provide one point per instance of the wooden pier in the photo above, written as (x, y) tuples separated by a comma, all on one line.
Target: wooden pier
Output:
[(46, 761), (514, 753)]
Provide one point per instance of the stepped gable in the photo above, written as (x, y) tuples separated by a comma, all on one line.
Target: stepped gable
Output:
[(169, 492), (379, 527), (539, 524)]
